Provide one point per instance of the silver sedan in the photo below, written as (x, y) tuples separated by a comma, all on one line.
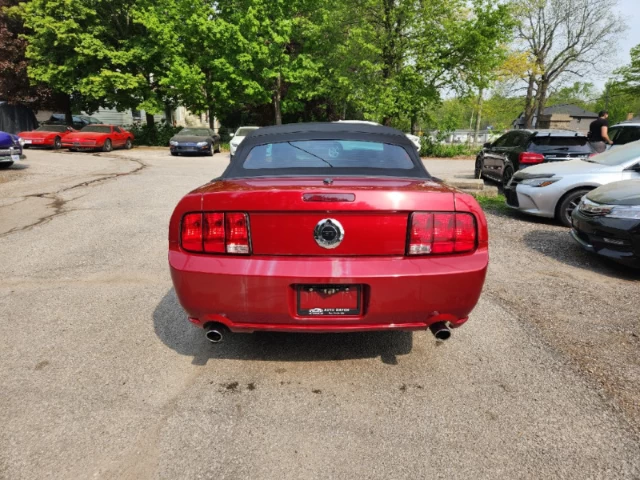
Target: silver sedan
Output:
[(555, 189)]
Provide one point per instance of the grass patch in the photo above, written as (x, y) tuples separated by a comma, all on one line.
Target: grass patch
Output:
[(493, 204)]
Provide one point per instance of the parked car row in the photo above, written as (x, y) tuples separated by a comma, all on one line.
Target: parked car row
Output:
[(91, 137)]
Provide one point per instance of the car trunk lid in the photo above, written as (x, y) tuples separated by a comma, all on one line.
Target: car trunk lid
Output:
[(287, 214)]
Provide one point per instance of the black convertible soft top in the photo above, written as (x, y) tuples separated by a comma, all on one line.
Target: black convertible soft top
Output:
[(297, 132)]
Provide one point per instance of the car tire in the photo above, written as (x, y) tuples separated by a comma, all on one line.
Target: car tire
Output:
[(506, 176), (128, 144), (57, 143), (478, 169), (108, 146), (210, 151), (174, 154), (567, 204), (26, 146), (5, 165)]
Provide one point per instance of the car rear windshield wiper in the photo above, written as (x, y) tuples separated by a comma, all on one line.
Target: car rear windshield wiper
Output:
[(312, 154)]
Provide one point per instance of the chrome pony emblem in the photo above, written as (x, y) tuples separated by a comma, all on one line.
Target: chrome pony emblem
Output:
[(328, 233)]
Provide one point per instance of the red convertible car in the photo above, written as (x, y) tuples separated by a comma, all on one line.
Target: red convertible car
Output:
[(99, 137), (46, 136), (327, 228)]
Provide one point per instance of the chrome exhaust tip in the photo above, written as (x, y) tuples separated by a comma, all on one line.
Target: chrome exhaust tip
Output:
[(213, 335), (440, 330)]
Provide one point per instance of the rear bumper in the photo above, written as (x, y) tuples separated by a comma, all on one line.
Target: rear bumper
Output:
[(259, 293)]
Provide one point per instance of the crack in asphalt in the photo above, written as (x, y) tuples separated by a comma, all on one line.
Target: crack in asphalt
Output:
[(58, 204)]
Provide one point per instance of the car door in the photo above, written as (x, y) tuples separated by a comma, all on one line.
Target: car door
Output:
[(119, 138), (494, 156)]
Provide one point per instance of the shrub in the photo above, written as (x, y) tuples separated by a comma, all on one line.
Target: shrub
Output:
[(432, 148), (158, 135)]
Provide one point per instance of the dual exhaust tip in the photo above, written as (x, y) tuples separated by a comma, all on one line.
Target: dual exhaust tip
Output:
[(440, 330)]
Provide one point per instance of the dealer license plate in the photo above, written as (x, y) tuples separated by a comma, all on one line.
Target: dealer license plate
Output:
[(329, 300), (15, 157)]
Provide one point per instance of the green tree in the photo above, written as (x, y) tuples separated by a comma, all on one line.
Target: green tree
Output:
[(630, 74)]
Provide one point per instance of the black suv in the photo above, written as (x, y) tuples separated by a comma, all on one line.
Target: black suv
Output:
[(518, 149)]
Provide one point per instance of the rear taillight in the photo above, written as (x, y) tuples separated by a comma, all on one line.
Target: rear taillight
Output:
[(237, 228), (437, 233), (215, 232), (527, 158)]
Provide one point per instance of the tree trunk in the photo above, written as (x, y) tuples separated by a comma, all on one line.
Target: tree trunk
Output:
[(68, 117), (529, 103), (479, 116), (414, 122), (168, 113), (151, 121), (277, 99), (541, 100), (212, 119)]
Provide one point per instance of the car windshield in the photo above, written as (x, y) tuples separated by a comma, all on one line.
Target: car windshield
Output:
[(195, 132), (336, 155), (51, 128), (97, 129), (244, 131), (573, 144), (619, 155)]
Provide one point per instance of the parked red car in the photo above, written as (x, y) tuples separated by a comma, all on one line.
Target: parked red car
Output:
[(99, 137), (327, 228), (46, 136)]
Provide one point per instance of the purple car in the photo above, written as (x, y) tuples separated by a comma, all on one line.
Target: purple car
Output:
[(10, 149)]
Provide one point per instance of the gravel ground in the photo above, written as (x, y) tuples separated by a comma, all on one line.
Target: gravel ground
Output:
[(582, 305), (101, 376)]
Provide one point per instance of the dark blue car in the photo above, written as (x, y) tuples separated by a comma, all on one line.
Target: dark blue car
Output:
[(10, 149)]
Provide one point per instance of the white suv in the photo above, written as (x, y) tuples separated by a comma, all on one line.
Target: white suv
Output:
[(624, 133)]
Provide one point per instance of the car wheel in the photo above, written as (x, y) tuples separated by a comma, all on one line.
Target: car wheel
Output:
[(174, 154), (4, 165), (57, 143), (506, 176), (567, 204), (129, 144), (210, 151), (107, 145), (478, 170)]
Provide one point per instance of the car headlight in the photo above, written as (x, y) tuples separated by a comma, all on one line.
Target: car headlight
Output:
[(631, 212), (202, 144), (539, 182), (173, 143)]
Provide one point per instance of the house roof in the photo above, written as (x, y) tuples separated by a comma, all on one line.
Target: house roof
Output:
[(569, 109)]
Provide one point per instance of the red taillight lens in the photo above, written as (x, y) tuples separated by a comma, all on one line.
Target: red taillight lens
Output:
[(432, 233), (191, 233), (237, 229), (421, 234), (527, 158), (214, 233)]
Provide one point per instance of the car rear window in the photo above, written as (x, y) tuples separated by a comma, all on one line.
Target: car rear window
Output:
[(333, 154), (97, 129), (576, 144)]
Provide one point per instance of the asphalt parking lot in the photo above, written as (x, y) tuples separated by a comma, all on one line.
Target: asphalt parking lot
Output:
[(101, 376)]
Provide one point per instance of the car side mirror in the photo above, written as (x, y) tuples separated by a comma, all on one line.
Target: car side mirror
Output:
[(487, 145), (231, 135)]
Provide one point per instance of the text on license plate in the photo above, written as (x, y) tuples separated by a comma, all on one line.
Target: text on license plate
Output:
[(329, 300)]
